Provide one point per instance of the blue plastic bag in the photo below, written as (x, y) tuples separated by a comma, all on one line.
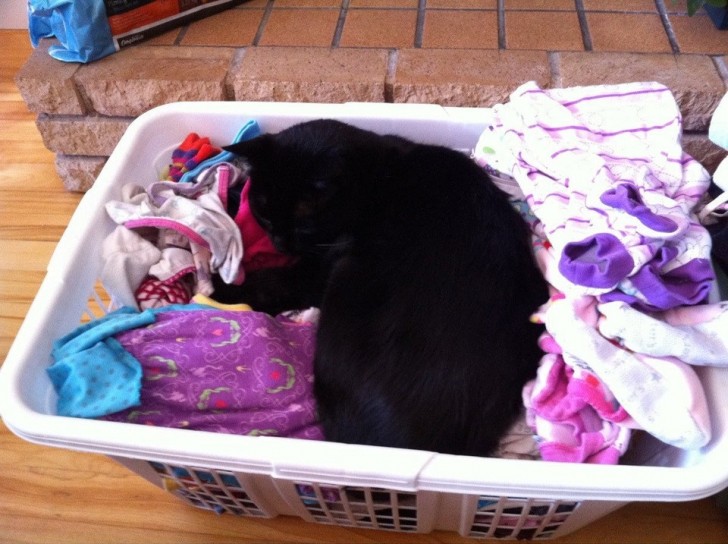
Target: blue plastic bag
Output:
[(81, 26), (91, 29)]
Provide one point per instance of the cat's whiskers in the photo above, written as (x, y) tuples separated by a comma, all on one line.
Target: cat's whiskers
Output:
[(342, 243)]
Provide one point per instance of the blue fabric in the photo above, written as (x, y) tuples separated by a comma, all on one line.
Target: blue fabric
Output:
[(92, 373), (81, 27), (98, 330), (98, 381)]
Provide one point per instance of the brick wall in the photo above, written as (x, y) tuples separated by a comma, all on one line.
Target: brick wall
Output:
[(84, 109)]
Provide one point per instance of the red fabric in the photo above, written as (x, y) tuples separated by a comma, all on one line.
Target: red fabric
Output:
[(258, 249)]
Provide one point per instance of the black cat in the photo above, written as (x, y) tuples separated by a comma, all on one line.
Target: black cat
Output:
[(425, 279)]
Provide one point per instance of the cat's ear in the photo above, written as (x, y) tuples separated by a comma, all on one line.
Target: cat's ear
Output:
[(255, 150)]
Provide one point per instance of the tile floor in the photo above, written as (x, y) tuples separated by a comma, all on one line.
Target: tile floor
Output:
[(637, 26)]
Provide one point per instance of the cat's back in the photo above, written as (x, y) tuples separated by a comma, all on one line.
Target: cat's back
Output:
[(449, 226), (425, 340), (439, 198)]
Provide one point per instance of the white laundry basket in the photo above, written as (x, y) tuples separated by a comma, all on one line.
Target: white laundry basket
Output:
[(383, 488)]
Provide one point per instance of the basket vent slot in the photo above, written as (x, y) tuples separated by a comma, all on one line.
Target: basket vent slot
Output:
[(520, 519), (360, 506), (216, 490)]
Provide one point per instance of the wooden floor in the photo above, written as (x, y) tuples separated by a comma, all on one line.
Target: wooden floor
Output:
[(59, 496)]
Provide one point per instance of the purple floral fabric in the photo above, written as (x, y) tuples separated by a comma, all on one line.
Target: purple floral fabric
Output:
[(224, 371)]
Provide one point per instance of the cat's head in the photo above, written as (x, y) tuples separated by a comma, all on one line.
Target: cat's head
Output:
[(304, 183)]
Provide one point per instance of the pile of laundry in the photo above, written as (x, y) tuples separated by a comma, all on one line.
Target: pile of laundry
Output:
[(614, 206), (176, 233), (621, 229), (171, 355)]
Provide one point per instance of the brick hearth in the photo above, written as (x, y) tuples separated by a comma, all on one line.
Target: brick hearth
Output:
[(344, 52)]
